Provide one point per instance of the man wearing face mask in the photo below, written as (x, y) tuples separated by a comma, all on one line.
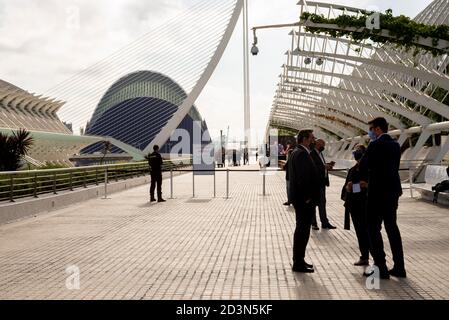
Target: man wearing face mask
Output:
[(323, 169), (379, 169)]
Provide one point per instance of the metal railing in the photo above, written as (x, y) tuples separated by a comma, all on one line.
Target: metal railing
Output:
[(24, 184), (262, 172), (412, 172)]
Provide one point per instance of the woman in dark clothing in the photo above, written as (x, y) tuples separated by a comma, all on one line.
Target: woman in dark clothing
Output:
[(356, 196)]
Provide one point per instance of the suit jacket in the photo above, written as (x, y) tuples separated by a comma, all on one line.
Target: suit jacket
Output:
[(303, 176), (321, 167), (380, 168)]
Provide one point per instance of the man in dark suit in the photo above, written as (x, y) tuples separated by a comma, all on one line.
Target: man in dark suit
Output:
[(304, 184), (155, 161), (323, 170), (379, 170)]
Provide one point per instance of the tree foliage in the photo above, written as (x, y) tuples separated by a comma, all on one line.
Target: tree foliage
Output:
[(13, 149)]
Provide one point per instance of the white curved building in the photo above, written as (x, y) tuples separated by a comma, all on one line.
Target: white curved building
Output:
[(21, 109), (54, 142)]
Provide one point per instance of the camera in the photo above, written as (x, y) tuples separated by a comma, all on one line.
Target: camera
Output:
[(254, 50)]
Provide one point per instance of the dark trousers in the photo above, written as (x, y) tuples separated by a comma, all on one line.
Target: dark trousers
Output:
[(384, 210), (358, 216), (304, 214), (289, 196), (156, 179), (321, 209)]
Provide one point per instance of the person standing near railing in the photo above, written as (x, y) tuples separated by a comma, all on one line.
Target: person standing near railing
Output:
[(155, 161), (379, 171)]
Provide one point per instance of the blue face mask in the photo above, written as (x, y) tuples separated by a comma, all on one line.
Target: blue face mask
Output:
[(372, 136)]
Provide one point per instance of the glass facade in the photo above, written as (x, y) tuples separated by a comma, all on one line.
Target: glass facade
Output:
[(135, 110)]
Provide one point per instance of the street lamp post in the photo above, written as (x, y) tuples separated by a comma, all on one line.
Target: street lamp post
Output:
[(247, 102)]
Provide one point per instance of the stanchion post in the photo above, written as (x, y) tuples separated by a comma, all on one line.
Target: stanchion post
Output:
[(193, 181), (227, 183), (106, 183), (54, 183), (11, 188), (35, 186), (410, 173), (215, 183), (171, 183), (264, 184)]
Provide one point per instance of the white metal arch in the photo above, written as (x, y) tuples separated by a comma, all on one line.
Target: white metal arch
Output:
[(326, 107), (348, 107), (414, 116), (299, 125), (405, 91), (332, 126), (182, 111), (318, 109)]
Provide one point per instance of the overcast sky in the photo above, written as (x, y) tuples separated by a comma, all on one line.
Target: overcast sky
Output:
[(40, 46)]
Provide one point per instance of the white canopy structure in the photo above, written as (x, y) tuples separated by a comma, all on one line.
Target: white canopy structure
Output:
[(335, 86)]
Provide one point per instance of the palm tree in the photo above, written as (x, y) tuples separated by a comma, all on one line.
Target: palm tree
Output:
[(13, 149)]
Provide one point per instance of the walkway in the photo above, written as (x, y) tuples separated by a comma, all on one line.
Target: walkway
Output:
[(127, 248)]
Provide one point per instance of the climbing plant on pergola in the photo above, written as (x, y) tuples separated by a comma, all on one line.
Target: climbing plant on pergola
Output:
[(398, 30)]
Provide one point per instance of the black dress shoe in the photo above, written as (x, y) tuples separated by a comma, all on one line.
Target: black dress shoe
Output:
[(398, 273), (308, 265), (383, 274), (161, 200), (153, 200), (287, 204), (362, 263), (302, 269), (315, 227), (329, 227)]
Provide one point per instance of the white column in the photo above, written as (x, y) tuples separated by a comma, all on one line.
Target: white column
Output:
[(247, 105)]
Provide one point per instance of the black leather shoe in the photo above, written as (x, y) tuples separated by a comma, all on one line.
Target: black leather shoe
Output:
[(287, 204), (384, 274), (308, 265), (328, 227), (362, 263), (302, 269), (153, 200), (161, 200), (398, 273), (315, 227)]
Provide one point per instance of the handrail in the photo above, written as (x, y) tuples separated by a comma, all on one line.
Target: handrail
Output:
[(89, 167), (32, 183)]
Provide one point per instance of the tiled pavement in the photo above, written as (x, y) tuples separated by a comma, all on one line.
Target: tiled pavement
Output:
[(240, 248)]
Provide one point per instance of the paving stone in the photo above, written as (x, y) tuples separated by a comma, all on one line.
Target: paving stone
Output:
[(211, 248)]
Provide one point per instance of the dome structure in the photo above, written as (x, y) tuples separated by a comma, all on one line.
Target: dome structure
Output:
[(136, 108)]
